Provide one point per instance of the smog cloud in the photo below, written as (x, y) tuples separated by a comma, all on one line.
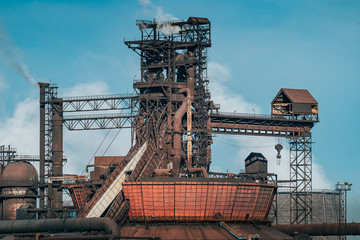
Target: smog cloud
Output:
[(11, 55)]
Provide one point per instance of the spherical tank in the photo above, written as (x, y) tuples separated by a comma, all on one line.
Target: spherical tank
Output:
[(17, 179)]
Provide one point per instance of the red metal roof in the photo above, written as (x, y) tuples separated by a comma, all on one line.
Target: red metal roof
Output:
[(198, 201), (298, 95), (198, 20)]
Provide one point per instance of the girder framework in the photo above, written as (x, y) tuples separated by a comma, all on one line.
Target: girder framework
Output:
[(259, 125), (51, 106), (98, 102), (99, 121), (301, 179), (7, 154)]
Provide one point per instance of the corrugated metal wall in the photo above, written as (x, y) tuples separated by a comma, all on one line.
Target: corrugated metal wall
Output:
[(198, 201), (325, 206)]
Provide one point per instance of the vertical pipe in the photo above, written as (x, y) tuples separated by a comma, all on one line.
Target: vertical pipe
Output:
[(189, 130), (43, 87), (57, 150), (177, 149)]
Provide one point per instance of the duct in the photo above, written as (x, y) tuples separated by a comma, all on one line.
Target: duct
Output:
[(60, 225), (185, 106), (57, 151), (177, 136), (190, 82), (323, 229)]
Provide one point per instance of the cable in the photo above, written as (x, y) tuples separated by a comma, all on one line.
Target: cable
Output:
[(112, 142), (96, 150), (68, 194)]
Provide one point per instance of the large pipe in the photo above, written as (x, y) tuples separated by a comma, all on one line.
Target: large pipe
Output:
[(323, 229), (190, 82), (57, 151), (186, 104), (177, 150), (60, 225)]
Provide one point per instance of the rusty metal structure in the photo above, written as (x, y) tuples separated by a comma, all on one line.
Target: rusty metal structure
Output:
[(172, 116), (165, 176), (18, 188), (160, 199)]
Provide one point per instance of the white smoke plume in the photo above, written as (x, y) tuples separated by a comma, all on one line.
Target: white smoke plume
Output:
[(161, 16), (10, 54)]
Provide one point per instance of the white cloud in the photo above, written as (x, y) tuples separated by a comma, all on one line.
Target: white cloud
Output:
[(320, 180), (85, 89), (144, 2), (230, 102), (22, 129), (22, 132)]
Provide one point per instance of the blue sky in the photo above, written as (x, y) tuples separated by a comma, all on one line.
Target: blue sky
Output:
[(258, 48)]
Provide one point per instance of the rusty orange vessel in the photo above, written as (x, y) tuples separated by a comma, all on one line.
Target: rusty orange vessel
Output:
[(198, 200)]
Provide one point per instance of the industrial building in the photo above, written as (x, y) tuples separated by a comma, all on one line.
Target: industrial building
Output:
[(163, 188)]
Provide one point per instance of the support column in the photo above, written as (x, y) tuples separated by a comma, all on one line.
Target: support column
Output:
[(43, 87), (301, 179), (57, 151)]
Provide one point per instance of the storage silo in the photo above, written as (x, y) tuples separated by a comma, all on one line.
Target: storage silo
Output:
[(18, 189), (325, 208)]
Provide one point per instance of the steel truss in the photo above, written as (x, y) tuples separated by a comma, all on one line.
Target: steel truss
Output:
[(342, 213), (100, 121), (7, 154), (47, 96), (54, 110), (98, 102), (301, 179)]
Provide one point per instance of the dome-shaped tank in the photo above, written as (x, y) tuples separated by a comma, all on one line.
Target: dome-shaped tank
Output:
[(18, 179), (18, 172)]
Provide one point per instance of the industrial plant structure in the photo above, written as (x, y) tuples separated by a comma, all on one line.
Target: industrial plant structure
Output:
[(163, 187)]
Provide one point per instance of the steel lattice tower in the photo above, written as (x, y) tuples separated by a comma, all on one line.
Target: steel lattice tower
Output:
[(301, 179)]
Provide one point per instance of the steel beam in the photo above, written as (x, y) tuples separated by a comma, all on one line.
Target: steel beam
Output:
[(100, 121), (98, 102)]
